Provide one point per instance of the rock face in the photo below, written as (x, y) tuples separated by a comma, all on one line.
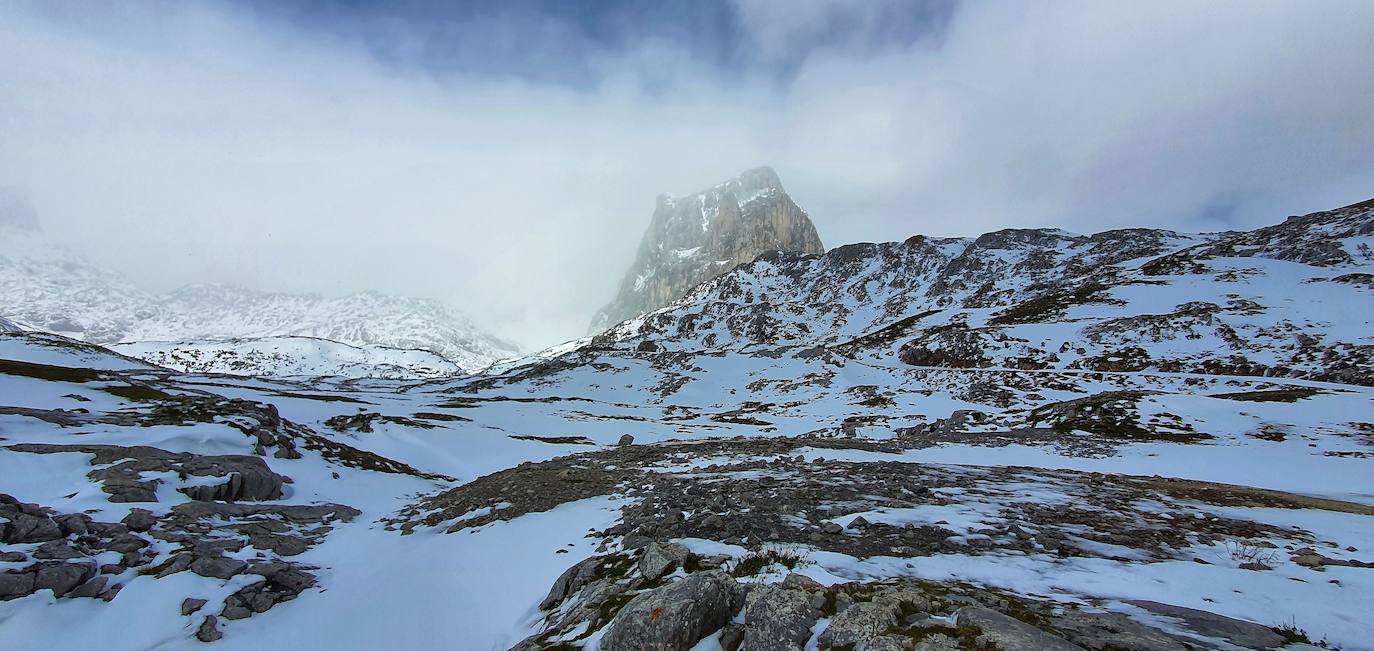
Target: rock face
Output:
[(698, 237), (674, 617), (1009, 633), (778, 619), (1235, 631)]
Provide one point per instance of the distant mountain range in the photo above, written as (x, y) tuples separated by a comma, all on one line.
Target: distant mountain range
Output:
[(223, 328)]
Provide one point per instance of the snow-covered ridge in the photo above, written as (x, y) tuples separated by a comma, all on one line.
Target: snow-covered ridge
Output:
[(1291, 299), (47, 287), (292, 356)]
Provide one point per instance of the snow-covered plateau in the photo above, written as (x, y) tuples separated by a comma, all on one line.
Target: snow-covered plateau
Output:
[(1025, 440)]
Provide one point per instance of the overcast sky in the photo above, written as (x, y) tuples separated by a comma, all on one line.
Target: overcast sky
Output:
[(505, 156)]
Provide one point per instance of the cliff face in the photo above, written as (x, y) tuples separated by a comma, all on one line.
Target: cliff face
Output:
[(698, 237)]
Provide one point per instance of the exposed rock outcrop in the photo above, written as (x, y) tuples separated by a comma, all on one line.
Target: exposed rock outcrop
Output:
[(695, 238), (674, 617)]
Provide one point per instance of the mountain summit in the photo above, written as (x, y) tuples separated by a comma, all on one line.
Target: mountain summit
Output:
[(695, 238)]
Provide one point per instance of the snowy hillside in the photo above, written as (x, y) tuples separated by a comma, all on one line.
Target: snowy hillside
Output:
[(1291, 300), (50, 288), (798, 455), (291, 356)]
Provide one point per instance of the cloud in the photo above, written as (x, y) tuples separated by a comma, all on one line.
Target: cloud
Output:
[(194, 142)]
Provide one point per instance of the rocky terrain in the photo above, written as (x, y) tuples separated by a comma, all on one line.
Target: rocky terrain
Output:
[(695, 238), (1273, 302), (227, 329), (1025, 440)]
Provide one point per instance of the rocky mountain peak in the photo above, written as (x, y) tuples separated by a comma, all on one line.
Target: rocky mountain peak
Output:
[(694, 238)]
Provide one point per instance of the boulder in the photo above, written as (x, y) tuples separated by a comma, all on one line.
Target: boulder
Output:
[(73, 523), (125, 543), (178, 563), (937, 642), (570, 581), (139, 520), (15, 584), (1112, 630), (110, 594), (189, 605), (56, 550), (124, 491), (1008, 633), (661, 558), (777, 619), (731, 637), (626, 439), (906, 598), (893, 643), (27, 528), (106, 529), (859, 623), (221, 567), (209, 630), (673, 617), (90, 589), (61, 578), (250, 479), (1236, 631), (291, 581), (235, 609), (794, 581)]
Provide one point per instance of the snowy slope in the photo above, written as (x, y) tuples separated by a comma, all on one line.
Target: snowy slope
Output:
[(1292, 299), (513, 535), (291, 356), (48, 287)]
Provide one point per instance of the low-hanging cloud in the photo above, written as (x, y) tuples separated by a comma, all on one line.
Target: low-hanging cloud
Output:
[(194, 142)]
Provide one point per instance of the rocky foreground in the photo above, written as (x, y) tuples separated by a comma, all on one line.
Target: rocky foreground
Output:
[(915, 463)]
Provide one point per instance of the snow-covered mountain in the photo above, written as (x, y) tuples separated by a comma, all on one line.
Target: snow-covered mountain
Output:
[(694, 238), (46, 286), (292, 356), (367, 319), (1289, 300), (888, 446)]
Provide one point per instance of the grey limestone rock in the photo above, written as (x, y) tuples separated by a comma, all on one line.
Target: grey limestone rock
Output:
[(859, 623), (673, 617), (1008, 633), (777, 619), (1235, 631), (661, 558)]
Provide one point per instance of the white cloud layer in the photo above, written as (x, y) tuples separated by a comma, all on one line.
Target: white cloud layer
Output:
[(182, 142)]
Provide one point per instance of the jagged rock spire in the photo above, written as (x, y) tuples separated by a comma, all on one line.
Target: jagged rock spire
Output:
[(694, 238)]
